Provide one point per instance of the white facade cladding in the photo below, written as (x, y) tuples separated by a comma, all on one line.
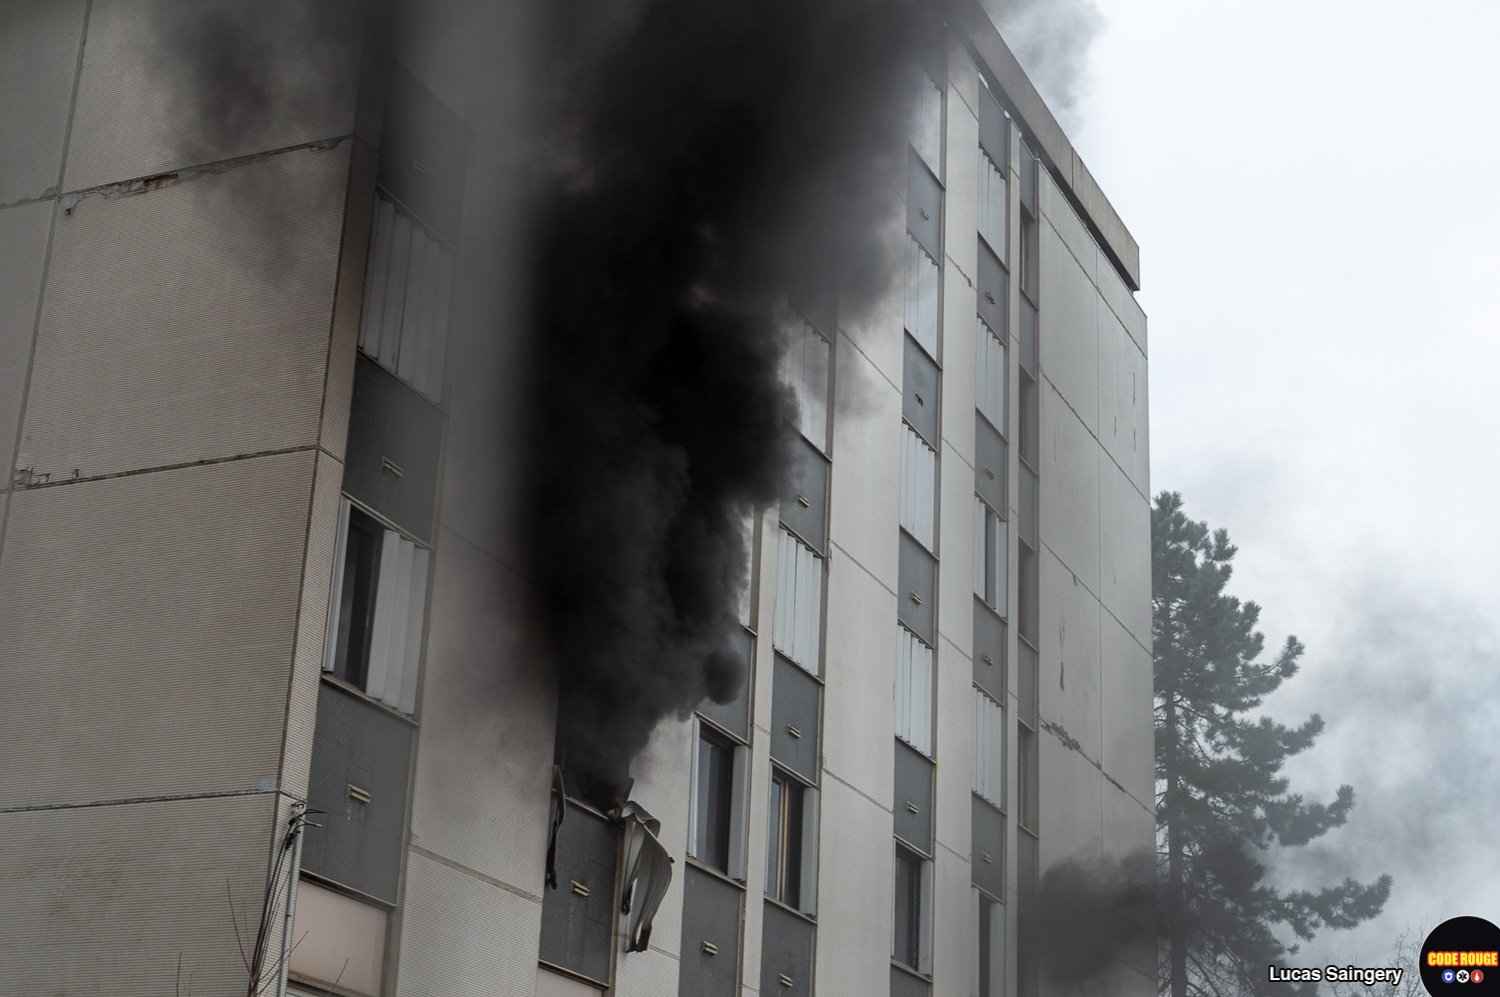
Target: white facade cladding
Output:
[(288, 571)]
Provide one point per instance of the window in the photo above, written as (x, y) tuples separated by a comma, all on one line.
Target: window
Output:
[(989, 375), (806, 371), (990, 553), (989, 749), (927, 125), (922, 296), (918, 488), (1026, 590), (791, 842), (799, 603), (408, 291), (992, 204), (719, 770), (1030, 436), (1026, 775), (910, 906), (987, 978), (1028, 253), (375, 626), (913, 691)]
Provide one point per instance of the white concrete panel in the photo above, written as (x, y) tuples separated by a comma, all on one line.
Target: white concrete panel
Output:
[(1125, 683), (866, 486), (955, 747), (955, 615), (952, 932), (461, 935), (1130, 836), (860, 671), (1074, 234), (112, 900), (39, 42), (872, 322), (1121, 301), (550, 984), (1068, 676), (961, 203), (23, 250), (959, 320), (337, 939), (1123, 428), (1068, 519), (650, 973), (1068, 337), (155, 615), (172, 332), (1124, 551), (1070, 805), (484, 758), (854, 910), (143, 108)]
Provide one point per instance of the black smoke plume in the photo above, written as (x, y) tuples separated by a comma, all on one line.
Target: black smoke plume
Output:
[(704, 158), (1095, 917)]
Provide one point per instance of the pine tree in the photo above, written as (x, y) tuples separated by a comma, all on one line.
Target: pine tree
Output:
[(1221, 800)]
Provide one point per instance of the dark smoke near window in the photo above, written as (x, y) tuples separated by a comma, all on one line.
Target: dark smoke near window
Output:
[(705, 159), (1095, 918), (694, 162)]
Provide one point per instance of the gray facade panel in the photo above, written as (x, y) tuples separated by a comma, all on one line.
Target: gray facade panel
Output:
[(786, 959), (39, 42), (924, 207), (994, 130), (173, 332), (140, 112), (578, 916), (916, 599), (395, 438), (919, 392), (361, 762), (734, 716), (23, 248), (794, 719), (113, 899), (804, 503), (156, 613), (989, 463), (904, 984), (993, 289), (989, 651), (988, 855), (1028, 335), (710, 936), (912, 808), (424, 154)]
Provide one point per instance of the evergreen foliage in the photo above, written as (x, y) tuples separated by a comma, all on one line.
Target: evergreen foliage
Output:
[(1222, 801)]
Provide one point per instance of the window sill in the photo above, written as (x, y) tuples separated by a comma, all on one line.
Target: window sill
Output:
[(803, 915), (349, 687)]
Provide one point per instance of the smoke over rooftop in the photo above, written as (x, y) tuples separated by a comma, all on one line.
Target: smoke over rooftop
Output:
[(704, 158), (1051, 39)]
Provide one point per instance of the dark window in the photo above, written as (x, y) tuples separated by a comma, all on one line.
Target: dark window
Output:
[(1028, 262), (1026, 590), (784, 840), (907, 943), (989, 947), (357, 598), (714, 817), (1026, 775), (1030, 437)]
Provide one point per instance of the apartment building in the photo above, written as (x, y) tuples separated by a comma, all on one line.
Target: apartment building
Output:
[(279, 715)]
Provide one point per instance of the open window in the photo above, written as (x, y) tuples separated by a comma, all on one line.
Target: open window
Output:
[(987, 978), (792, 842), (378, 610), (911, 935), (720, 773)]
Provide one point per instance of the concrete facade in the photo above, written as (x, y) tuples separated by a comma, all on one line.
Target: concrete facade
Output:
[(180, 327)]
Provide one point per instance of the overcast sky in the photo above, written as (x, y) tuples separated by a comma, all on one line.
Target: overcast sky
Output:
[(1314, 188)]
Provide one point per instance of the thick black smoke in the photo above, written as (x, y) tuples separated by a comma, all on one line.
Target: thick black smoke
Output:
[(1095, 917), (704, 158)]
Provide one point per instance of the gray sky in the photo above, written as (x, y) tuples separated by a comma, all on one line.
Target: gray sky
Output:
[(1313, 185)]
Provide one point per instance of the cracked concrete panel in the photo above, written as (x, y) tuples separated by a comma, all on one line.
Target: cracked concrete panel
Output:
[(168, 84), (173, 332), (1070, 804), (157, 639), (39, 42), (1069, 339), (1123, 428), (129, 899), (23, 249), (1068, 677)]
